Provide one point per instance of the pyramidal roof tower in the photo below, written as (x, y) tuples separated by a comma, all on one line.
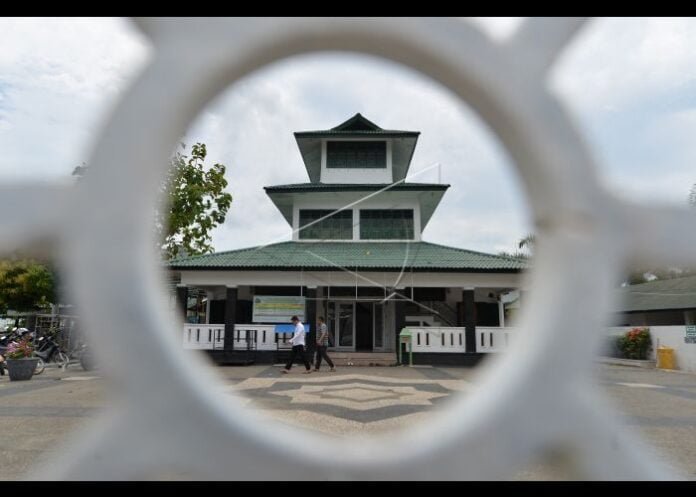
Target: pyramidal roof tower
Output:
[(360, 169), (391, 156)]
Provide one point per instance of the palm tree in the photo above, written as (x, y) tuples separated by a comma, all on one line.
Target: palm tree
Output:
[(528, 241)]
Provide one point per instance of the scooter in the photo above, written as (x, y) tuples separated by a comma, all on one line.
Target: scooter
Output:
[(49, 351)]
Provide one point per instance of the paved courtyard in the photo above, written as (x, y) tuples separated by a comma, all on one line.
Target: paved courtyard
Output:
[(38, 414)]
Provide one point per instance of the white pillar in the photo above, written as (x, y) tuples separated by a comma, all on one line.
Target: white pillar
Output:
[(209, 296), (501, 311)]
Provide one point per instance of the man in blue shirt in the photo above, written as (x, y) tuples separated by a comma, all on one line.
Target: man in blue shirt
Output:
[(298, 345)]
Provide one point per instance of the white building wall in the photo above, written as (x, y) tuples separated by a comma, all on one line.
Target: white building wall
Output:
[(667, 336)]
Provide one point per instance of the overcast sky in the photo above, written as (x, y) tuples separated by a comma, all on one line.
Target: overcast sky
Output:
[(629, 83)]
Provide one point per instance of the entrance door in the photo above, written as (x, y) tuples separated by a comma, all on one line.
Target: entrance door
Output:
[(364, 326), (342, 324)]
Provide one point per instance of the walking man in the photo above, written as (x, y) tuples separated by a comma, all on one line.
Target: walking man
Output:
[(322, 344), (298, 345)]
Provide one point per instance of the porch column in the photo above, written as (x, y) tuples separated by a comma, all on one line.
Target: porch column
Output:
[(230, 317), (182, 300), (311, 310), (501, 312), (209, 295), (469, 319), (399, 319)]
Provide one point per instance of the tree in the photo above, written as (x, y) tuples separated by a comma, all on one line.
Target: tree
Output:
[(692, 196), (528, 241), (25, 285), (197, 203)]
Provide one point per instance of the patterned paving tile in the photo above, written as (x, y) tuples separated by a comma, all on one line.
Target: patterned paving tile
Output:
[(350, 401), (361, 396)]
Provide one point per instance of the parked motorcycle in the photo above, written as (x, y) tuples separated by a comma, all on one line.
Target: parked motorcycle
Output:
[(47, 350)]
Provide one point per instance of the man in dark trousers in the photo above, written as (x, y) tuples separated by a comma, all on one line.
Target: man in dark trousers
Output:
[(322, 345), (298, 345)]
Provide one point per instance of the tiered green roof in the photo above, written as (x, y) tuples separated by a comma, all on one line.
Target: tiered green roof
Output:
[(388, 256)]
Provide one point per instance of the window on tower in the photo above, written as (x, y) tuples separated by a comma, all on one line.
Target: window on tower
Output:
[(356, 154), (386, 224), (315, 225)]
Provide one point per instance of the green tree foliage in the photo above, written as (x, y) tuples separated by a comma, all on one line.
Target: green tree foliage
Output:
[(197, 204), (25, 285), (528, 242)]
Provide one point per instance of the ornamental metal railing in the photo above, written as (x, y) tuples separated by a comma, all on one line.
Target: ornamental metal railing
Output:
[(540, 396)]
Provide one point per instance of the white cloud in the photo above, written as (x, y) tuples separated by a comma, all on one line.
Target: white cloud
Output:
[(630, 83), (58, 80)]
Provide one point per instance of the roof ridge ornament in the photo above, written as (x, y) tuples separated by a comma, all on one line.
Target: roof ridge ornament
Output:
[(357, 123)]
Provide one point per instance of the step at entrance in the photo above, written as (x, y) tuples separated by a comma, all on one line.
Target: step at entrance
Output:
[(363, 358)]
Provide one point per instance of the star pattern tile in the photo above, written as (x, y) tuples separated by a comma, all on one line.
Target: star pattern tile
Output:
[(360, 396)]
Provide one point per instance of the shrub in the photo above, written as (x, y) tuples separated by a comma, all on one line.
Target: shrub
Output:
[(635, 344)]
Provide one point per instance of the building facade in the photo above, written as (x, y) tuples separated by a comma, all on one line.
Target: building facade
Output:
[(356, 257), (670, 302)]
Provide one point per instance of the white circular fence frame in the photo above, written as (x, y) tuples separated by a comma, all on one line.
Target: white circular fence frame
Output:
[(167, 416)]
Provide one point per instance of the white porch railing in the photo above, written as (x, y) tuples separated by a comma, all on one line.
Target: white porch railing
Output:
[(438, 339), (212, 336), (442, 339), (204, 336), (246, 335), (493, 339)]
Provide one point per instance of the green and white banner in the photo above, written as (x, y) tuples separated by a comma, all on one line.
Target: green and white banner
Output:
[(269, 309)]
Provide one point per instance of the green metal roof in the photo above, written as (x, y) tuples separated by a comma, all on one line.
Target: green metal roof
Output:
[(357, 125), (419, 256), (382, 132), (354, 187), (428, 195), (403, 144), (675, 293)]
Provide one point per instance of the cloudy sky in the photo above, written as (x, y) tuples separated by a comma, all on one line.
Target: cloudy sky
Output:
[(629, 83)]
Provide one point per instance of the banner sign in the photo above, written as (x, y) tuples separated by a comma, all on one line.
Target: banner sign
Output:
[(277, 309)]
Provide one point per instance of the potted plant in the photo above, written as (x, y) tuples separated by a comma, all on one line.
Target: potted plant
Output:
[(20, 363)]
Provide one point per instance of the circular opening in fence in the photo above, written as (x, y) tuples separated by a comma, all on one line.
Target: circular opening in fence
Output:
[(388, 300)]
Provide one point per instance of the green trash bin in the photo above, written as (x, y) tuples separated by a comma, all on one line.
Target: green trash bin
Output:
[(405, 337)]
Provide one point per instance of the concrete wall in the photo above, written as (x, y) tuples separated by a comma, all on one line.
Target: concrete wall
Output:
[(663, 336)]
